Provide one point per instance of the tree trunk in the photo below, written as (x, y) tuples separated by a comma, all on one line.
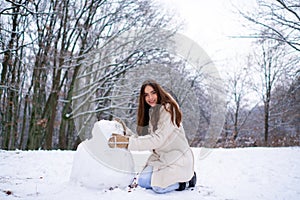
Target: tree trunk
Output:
[(67, 125), (266, 123)]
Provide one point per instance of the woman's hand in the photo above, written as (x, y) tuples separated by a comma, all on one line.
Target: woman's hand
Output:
[(118, 141)]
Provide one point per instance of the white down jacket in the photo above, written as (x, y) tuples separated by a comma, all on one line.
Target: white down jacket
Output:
[(172, 158)]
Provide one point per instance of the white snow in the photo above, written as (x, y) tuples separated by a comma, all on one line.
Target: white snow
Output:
[(223, 174), (249, 173)]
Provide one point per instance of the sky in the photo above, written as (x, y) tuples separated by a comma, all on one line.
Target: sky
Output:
[(215, 25), (212, 23)]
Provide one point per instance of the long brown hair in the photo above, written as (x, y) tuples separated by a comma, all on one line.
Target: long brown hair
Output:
[(163, 98)]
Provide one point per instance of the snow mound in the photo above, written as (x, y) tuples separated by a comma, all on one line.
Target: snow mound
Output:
[(96, 165)]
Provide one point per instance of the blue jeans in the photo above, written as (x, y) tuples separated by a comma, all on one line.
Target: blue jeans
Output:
[(145, 182)]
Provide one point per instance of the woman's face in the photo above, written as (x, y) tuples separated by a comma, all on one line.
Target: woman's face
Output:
[(150, 96)]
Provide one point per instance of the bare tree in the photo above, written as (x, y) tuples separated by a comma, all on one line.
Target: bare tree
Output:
[(276, 26), (284, 117), (272, 62), (95, 88), (13, 69), (239, 108), (276, 20)]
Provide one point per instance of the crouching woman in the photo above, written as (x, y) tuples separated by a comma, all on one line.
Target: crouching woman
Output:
[(171, 165)]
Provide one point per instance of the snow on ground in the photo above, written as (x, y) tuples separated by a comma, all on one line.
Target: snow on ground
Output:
[(240, 174)]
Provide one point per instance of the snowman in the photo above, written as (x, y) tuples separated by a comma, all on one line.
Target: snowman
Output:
[(96, 165)]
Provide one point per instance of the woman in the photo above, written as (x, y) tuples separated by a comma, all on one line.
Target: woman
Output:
[(171, 164)]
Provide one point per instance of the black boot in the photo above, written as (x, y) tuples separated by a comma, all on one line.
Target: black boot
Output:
[(182, 186), (193, 180)]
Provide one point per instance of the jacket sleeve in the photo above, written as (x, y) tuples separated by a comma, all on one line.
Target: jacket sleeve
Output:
[(157, 138)]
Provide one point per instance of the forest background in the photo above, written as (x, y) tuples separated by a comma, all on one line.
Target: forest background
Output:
[(66, 64)]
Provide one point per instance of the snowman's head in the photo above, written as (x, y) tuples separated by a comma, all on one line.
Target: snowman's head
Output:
[(108, 127)]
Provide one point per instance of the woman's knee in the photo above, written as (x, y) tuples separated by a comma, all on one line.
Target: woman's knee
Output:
[(144, 182), (144, 179)]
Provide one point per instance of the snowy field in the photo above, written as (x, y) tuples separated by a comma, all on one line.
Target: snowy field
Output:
[(249, 173)]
